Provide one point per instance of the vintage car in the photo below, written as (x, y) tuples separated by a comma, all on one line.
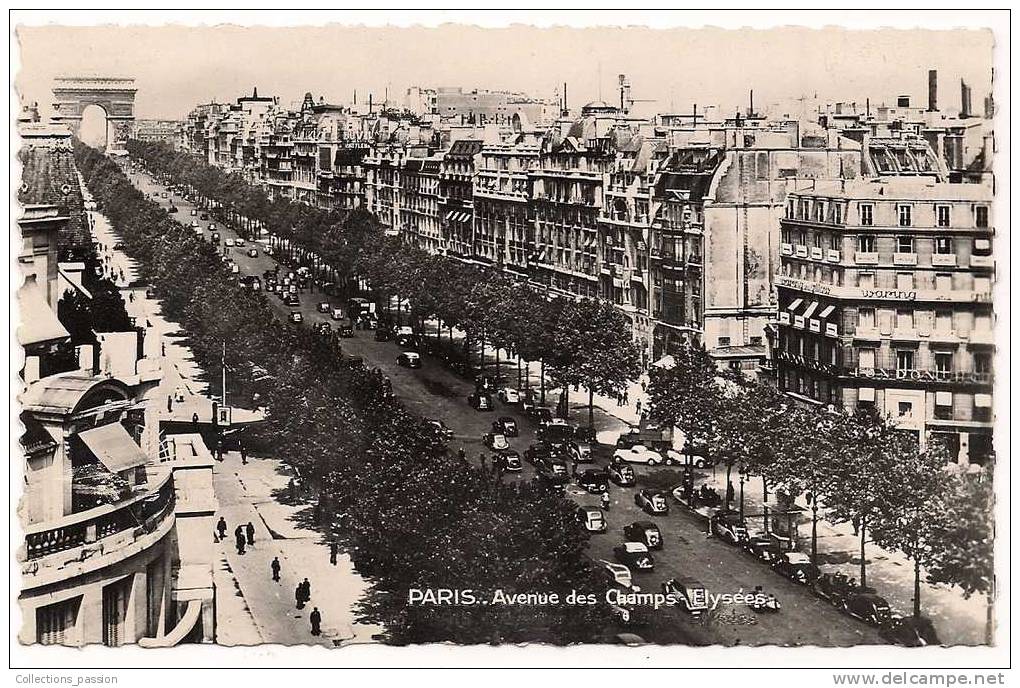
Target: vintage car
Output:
[(865, 605), (296, 317), (506, 425), (593, 480), (541, 414), (797, 567), (688, 594), (409, 359), (763, 602), (634, 555), (495, 441), (621, 474), (345, 331), (580, 451), (618, 574), (510, 461), (644, 531), (556, 431), (909, 631), (322, 328), (383, 334), (253, 253), (323, 307), (592, 519), (509, 396), (440, 427), (529, 399), (727, 525), (639, 453), (556, 483), (292, 299), (239, 241), (761, 548), (215, 238), (552, 466), (652, 501), (480, 401), (673, 457), (336, 313)]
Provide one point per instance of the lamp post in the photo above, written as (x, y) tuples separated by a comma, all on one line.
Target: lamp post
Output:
[(742, 472)]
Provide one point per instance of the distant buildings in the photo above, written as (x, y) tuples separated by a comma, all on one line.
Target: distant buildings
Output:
[(156, 130)]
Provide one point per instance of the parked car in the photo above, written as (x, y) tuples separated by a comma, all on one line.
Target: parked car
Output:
[(652, 501), (194, 212), (542, 415), (645, 532), (215, 238), (409, 359), (296, 317), (212, 225), (592, 518), (580, 451), (529, 399), (797, 567), (346, 331), (639, 453), (761, 548), (619, 575), (506, 425), (486, 383), (621, 474), (337, 314), (909, 631), (239, 241), (480, 401), (634, 555), (727, 525), (292, 299), (535, 452), (119, 246), (510, 461), (204, 216), (553, 467), (509, 396), (675, 458), (495, 442), (868, 607), (593, 480), (555, 483), (383, 334), (322, 328), (763, 602), (323, 307), (228, 242), (253, 253), (687, 593), (556, 431)]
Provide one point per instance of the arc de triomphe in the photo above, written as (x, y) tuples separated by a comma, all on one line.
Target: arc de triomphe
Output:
[(116, 95)]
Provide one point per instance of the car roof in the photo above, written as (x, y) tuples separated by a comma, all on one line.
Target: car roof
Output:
[(411, 353), (635, 546), (798, 558)]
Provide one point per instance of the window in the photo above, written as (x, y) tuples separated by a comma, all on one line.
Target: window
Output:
[(866, 318), (943, 321), (904, 244), (905, 281), (981, 215), (943, 246), (904, 319), (983, 285), (819, 211), (867, 214), (837, 214), (724, 341), (834, 242), (866, 359), (982, 363), (904, 360), (903, 213), (866, 280), (943, 281), (943, 361), (942, 215), (786, 235), (817, 240), (756, 341), (905, 409), (866, 243)]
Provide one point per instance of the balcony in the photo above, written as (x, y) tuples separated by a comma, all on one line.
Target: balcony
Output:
[(786, 249), (833, 256), (982, 262), (89, 540), (816, 253), (868, 333), (959, 377), (904, 259), (866, 258), (943, 260), (801, 251)]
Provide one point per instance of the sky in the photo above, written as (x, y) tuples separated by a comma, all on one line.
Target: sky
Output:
[(176, 67)]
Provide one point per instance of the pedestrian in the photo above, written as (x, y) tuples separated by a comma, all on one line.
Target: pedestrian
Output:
[(483, 460), (638, 407), (275, 566), (316, 619), (306, 588), (194, 422), (299, 596), (219, 449), (626, 397), (249, 530), (462, 455), (605, 500), (239, 541), (244, 455), (221, 527), (334, 548), (169, 404)]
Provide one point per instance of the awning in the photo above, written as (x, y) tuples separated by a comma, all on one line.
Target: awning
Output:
[(982, 244), (983, 400), (866, 394), (810, 309), (113, 446), (826, 312), (38, 321), (943, 398), (794, 305)]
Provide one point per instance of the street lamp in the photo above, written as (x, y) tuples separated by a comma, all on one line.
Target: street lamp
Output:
[(742, 472)]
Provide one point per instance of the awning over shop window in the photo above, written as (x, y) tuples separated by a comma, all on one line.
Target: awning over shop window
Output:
[(982, 244), (809, 311), (113, 446), (983, 400), (792, 308), (866, 394), (943, 398), (826, 312)]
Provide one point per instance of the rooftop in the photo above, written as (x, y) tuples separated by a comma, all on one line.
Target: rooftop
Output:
[(898, 189)]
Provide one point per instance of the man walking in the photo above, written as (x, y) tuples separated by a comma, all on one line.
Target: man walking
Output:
[(244, 455), (221, 527), (316, 619), (299, 596), (249, 530), (275, 566), (239, 540), (333, 550)]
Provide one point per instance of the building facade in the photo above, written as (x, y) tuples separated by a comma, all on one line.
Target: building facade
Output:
[(885, 302)]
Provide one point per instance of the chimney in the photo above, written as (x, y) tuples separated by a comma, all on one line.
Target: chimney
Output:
[(370, 103), (964, 100), (933, 90), (566, 108), (750, 107), (867, 107)]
